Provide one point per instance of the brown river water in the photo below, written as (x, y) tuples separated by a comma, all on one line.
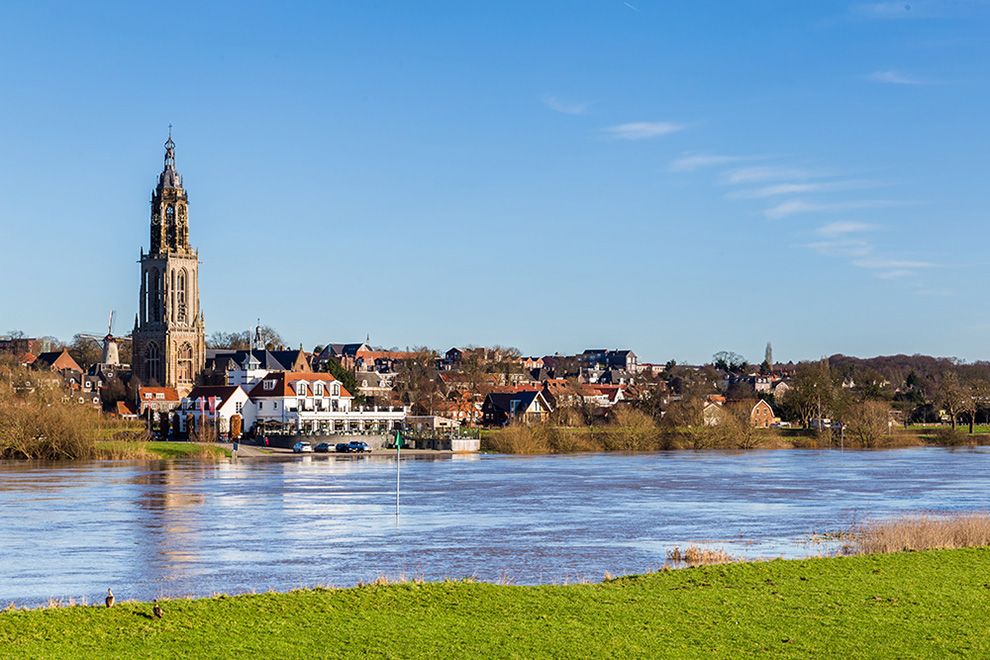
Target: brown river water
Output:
[(175, 528)]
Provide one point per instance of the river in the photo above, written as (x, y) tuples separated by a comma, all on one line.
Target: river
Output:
[(172, 528)]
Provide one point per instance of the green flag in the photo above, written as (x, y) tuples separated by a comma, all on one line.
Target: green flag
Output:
[(398, 439)]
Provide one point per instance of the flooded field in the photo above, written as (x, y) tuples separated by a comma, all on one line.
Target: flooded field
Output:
[(151, 529)]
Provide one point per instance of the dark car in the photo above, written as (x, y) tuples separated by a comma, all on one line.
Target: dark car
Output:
[(353, 447), (323, 448)]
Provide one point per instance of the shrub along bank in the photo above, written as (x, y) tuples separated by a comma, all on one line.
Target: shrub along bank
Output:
[(635, 431), (921, 604)]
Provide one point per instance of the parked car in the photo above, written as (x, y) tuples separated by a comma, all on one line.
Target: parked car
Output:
[(302, 448), (355, 447), (323, 448)]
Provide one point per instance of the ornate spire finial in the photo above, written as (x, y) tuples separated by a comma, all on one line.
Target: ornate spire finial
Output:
[(169, 149)]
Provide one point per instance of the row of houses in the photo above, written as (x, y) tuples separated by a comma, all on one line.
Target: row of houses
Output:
[(280, 402)]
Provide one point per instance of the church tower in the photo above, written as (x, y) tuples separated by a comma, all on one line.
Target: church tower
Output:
[(169, 348)]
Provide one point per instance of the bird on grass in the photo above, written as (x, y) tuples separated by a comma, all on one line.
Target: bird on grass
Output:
[(157, 610), (109, 599)]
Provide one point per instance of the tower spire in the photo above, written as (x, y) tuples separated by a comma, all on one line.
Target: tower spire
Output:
[(169, 178)]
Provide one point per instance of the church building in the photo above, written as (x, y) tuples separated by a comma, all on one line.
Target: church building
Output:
[(169, 344)]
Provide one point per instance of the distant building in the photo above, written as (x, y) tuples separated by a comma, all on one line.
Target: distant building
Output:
[(216, 405), (526, 406), (307, 402), (58, 361), (156, 399), (761, 416)]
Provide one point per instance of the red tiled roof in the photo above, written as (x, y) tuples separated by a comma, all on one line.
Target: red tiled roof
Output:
[(169, 392), (284, 381)]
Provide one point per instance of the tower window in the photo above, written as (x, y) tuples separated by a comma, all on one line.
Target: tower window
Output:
[(185, 363)]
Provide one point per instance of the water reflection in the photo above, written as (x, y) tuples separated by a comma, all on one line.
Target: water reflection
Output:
[(183, 528)]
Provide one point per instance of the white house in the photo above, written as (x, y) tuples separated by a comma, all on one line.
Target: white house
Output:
[(308, 402), (217, 404)]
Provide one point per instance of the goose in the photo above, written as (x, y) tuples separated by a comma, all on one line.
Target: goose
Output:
[(157, 610), (110, 598)]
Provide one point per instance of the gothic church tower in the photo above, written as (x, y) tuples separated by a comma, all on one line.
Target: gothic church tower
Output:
[(169, 348)]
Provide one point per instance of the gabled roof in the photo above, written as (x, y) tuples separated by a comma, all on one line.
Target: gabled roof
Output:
[(56, 361), (223, 392), (285, 384), (502, 401), (343, 350), (290, 359), (225, 359)]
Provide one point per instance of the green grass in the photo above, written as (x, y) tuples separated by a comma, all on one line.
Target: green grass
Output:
[(139, 449), (925, 604)]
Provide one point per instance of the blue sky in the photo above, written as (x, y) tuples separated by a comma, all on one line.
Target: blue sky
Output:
[(674, 177)]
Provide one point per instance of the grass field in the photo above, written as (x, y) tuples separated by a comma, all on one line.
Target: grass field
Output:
[(138, 449), (922, 604)]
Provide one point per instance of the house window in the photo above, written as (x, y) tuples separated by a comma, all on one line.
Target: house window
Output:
[(160, 395), (269, 385), (261, 404), (238, 407), (336, 389), (317, 389), (300, 389)]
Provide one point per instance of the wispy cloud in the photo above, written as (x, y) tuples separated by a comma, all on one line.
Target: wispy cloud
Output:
[(842, 247), (778, 189), (693, 162), (799, 206), (643, 130), (764, 173), (566, 107), (892, 264), (891, 77), (844, 227)]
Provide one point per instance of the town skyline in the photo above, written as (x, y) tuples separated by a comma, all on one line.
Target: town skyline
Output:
[(661, 208)]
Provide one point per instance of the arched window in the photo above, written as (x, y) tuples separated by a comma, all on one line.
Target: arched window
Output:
[(184, 364), (155, 296), (180, 295), (170, 225), (152, 363)]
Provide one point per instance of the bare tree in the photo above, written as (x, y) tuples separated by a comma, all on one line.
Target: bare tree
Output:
[(868, 423), (953, 396)]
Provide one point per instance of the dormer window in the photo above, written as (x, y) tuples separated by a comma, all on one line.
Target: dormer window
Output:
[(336, 389), (300, 389), (317, 389), (160, 395)]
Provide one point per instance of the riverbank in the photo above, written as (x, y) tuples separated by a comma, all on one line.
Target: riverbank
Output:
[(647, 437), (929, 603), (142, 449)]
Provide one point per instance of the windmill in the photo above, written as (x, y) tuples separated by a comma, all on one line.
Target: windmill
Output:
[(111, 354)]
